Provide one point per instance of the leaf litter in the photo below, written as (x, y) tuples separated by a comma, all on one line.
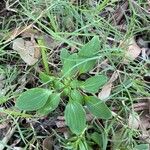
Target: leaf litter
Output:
[(28, 50)]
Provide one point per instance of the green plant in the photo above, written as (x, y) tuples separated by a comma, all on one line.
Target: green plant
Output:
[(66, 84)]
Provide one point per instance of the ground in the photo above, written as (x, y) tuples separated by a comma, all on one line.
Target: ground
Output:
[(38, 37)]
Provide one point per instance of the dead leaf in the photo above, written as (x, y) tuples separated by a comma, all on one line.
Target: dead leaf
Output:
[(134, 121), (114, 77), (27, 50), (106, 90), (132, 50), (48, 143)]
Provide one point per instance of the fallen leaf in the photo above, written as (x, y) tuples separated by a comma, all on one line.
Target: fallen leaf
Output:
[(48, 143), (132, 50), (134, 121), (114, 77), (106, 90), (27, 50)]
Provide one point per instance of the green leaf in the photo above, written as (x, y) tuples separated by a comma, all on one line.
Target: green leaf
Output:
[(97, 107), (64, 54), (97, 138), (51, 104), (83, 145), (91, 48), (45, 78), (93, 84), (33, 99), (69, 67), (3, 99), (58, 85), (74, 84), (75, 117), (86, 65), (76, 96), (142, 147)]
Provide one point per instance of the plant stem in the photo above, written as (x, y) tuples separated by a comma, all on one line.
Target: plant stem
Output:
[(44, 54)]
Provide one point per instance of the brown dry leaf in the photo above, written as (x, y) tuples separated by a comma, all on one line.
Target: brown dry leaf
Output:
[(132, 50), (134, 121), (27, 50), (47, 143), (106, 90)]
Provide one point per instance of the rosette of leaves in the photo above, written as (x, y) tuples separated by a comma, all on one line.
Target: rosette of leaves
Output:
[(44, 101)]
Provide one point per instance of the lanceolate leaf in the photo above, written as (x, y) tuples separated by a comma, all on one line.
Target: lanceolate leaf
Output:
[(93, 84), (98, 108), (91, 48), (75, 117), (33, 99), (51, 104)]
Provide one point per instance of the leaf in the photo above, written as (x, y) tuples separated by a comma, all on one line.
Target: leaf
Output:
[(105, 92), (97, 107), (97, 138), (64, 54), (33, 99), (58, 85), (69, 67), (86, 65), (134, 121), (76, 96), (93, 84), (83, 145), (74, 83), (45, 78), (132, 50), (27, 50), (91, 48), (48, 143), (51, 104), (75, 117)]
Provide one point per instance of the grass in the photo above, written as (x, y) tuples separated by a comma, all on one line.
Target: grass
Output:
[(72, 24)]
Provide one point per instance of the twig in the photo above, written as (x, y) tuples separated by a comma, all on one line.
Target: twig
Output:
[(7, 137)]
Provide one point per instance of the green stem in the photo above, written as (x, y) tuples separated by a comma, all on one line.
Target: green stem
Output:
[(44, 54)]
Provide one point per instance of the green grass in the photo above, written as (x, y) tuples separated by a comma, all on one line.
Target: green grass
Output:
[(73, 25)]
